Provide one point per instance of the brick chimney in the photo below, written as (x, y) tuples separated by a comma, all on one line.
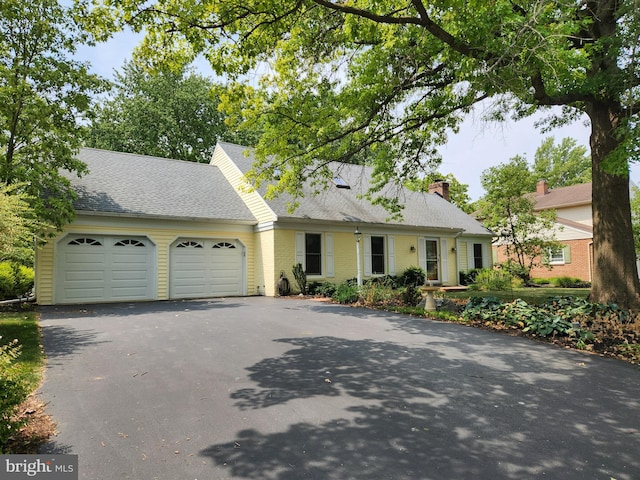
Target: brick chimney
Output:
[(542, 188), (441, 188)]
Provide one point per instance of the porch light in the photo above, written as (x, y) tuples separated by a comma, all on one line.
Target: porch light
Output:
[(358, 235)]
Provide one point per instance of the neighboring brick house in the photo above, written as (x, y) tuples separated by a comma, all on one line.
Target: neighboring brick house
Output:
[(574, 230)]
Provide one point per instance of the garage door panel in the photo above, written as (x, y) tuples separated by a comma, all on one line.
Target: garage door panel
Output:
[(85, 295), (130, 276), (128, 292), (98, 268), (83, 276), (83, 258), (213, 268)]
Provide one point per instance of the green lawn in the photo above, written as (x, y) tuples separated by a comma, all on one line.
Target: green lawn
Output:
[(23, 326), (529, 295)]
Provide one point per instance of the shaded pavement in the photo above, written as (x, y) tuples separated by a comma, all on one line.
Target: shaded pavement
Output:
[(285, 389)]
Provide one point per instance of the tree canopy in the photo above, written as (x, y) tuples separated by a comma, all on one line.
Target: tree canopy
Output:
[(396, 77), (561, 165), (45, 97), (18, 226), (508, 210), (165, 113)]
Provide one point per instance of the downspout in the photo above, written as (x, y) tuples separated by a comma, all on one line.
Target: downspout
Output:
[(457, 243), (590, 260)]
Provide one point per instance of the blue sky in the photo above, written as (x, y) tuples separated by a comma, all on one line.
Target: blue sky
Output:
[(477, 146)]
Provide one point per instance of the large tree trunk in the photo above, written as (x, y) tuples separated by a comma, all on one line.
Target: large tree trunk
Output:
[(615, 276)]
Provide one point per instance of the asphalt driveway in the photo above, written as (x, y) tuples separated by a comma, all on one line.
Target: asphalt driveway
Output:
[(287, 389)]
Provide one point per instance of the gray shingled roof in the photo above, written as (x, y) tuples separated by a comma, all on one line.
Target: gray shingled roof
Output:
[(139, 185), (563, 197), (421, 210)]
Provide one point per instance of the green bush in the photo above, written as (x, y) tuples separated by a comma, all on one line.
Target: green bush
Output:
[(552, 318), (566, 282), (469, 278), (346, 292), (378, 291), (15, 280), (13, 391), (412, 276), (488, 279), (324, 289), (411, 296)]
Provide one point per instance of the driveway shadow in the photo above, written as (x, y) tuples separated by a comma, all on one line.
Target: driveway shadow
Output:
[(437, 412), (137, 308), (62, 340)]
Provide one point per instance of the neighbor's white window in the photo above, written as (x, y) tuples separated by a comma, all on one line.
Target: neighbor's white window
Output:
[(556, 256)]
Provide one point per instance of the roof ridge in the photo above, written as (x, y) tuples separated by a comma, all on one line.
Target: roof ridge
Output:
[(143, 155)]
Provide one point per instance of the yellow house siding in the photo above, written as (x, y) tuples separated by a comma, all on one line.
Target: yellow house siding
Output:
[(284, 256), (344, 254), (452, 266), (235, 177), (264, 263), (405, 258), (162, 234), (44, 273)]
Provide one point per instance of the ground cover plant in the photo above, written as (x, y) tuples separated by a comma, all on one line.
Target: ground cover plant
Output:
[(558, 315), (23, 424)]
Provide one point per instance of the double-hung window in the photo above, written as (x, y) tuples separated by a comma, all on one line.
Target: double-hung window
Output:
[(477, 255), (377, 256), (313, 253), (556, 256)]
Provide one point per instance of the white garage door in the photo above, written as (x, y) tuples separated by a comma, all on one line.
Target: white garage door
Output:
[(98, 268), (206, 268)]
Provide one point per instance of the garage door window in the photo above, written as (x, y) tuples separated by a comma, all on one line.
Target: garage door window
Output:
[(85, 241), (129, 242), (189, 244), (224, 245)]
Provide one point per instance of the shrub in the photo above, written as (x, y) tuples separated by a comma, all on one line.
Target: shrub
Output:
[(324, 289), (13, 392), (379, 291), (469, 278), (411, 296), (346, 292), (552, 318), (412, 276), (566, 282), (15, 280), (301, 277), (489, 279)]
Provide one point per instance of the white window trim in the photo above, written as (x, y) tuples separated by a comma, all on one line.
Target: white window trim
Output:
[(560, 251)]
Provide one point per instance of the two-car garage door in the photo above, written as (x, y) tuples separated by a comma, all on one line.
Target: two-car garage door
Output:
[(103, 268)]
